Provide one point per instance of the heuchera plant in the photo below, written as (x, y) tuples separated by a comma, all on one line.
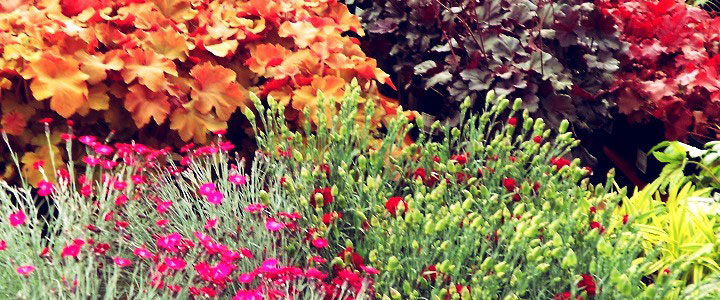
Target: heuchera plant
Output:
[(671, 70), (557, 56), (169, 71)]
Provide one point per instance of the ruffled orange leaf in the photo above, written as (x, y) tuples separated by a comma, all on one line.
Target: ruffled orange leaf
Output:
[(302, 32), (13, 122), (96, 66), (177, 10), (223, 49), (169, 43), (61, 80), (144, 104), (98, 99), (148, 67), (42, 153), (265, 56), (333, 89), (215, 87), (193, 125)]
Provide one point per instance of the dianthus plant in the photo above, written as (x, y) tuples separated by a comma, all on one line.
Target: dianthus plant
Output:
[(132, 223), (490, 211)]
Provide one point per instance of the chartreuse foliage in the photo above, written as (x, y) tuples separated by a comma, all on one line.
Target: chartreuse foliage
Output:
[(677, 215), (168, 72), (483, 213)]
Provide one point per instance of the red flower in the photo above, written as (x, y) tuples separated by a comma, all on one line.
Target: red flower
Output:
[(588, 284), (329, 217), (326, 195), (392, 203), (566, 296), (559, 162), (512, 121), (325, 168), (509, 184), (598, 226), (419, 172), (537, 139), (460, 158), (625, 219)]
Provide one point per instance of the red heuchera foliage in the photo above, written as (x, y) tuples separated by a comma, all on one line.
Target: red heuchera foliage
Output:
[(671, 69)]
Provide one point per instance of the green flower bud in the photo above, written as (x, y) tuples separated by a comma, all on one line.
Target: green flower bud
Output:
[(372, 256), (392, 263), (502, 105), (570, 260), (455, 132), (490, 96), (444, 245), (264, 197), (563, 126), (337, 261), (501, 267), (517, 104), (395, 294), (297, 155), (543, 267)]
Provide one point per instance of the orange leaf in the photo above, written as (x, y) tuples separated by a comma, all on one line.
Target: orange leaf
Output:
[(98, 99), (96, 66), (61, 80), (169, 43), (148, 67), (192, 125), (223, 49), (215, 87), (261, 57), (177, 10), (144, 104), (303, 32), (13, 122)]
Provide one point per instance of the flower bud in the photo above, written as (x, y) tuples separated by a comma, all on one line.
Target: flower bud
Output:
[(490, 96), (570, 260), (297, 155), (392, 263), (563, 126), (264, 197), (395, 294), (517, 104), (543, 267)]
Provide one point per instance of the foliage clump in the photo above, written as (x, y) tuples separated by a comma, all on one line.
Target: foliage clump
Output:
[(169, 72)]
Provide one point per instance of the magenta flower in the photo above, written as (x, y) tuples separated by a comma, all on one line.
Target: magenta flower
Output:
[(175, 263), (143, 253), (17, 219), (71, 250), (3, 245), (246, 277), (269, 265), (215, 197), (163, 206), (237, 179), (103, 149), (119, 185), (211, 223), (25, 270), (315, 273), (44, 188), (207, 188), (122, 262), (248, 295), (320, 243), (170, 242), (253, 208), (273, 225)]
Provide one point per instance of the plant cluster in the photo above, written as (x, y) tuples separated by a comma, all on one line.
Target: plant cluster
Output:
[(177, 68), (671, 69), (558, 57), (137, 224)]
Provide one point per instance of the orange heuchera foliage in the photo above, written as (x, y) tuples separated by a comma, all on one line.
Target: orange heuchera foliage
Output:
[(174, 70)]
